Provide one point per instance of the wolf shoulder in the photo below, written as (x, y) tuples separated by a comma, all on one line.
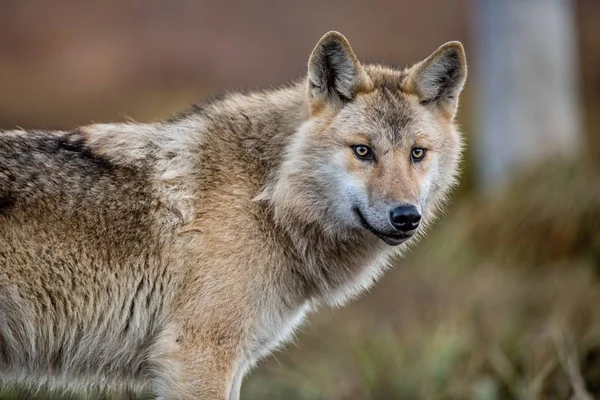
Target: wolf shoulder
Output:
[(102, 167)]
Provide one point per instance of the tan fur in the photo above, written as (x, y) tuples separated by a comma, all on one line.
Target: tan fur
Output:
[(173, 256)]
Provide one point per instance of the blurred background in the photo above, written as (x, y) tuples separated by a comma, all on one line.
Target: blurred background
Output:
[(502, 299)]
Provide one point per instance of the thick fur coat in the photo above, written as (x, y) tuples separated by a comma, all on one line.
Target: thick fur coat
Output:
[(173, 256)]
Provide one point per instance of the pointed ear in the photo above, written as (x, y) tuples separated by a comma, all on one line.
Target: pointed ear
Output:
[(335, 75), (439, 79)]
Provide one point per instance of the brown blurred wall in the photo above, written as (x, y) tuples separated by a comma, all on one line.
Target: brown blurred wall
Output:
[(72, 62), (66, 63)]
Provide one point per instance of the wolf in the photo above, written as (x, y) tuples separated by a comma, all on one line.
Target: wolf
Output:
[(172, 256)]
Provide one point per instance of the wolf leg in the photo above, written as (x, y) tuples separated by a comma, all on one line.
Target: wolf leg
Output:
[(198, 371)]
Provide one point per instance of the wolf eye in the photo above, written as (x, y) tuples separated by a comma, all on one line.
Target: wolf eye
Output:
[(363, 152), (417, 154)]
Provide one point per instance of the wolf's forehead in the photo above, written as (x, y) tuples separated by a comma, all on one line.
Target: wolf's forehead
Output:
[(389, 112), (383, 76)]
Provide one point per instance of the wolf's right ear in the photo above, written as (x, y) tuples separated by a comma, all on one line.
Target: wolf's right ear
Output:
[(335, 75), (439, 79)]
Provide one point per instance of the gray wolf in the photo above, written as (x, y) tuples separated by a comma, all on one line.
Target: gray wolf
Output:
[(172, 256)]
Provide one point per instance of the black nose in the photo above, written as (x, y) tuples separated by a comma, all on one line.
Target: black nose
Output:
[(405, 218)]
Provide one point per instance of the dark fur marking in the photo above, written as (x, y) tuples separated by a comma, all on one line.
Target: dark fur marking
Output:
[(447, 80), (152, 292), (57, 358), (5, 204), (4, 350), (75, 143), (131, 306), (334, 51)]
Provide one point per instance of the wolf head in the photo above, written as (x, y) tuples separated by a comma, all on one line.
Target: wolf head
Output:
[(380, 149)]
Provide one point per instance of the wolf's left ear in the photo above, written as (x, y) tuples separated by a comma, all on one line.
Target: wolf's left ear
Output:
[(335, 75), (439, 79)]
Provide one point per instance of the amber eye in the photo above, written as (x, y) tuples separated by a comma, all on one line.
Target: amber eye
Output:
[(363, 152), (417, 154)]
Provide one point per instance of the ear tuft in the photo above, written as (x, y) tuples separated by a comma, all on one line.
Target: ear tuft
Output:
[(439, 79), (334, 72)]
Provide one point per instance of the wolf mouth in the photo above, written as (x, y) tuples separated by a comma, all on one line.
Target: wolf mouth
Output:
[(389, 238)]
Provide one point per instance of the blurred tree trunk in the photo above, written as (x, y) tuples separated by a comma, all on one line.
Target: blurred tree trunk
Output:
[(526, 85)]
